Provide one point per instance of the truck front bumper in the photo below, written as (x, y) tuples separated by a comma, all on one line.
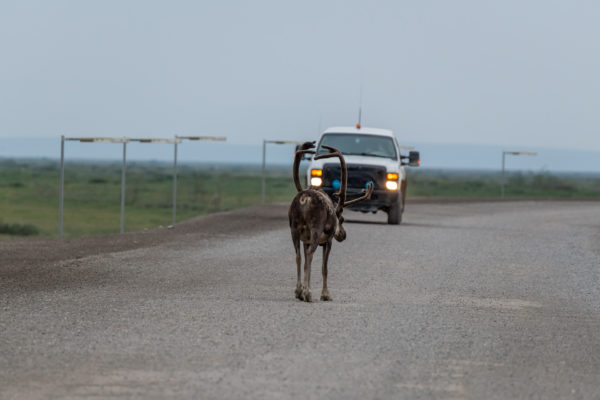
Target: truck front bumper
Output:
[(380, 199)]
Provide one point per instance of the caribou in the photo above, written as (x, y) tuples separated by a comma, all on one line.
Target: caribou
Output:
[(315, 220)]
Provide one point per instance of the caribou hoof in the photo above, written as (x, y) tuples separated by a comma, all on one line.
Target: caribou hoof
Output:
[(306, 295), (325, 296), (298, 292)]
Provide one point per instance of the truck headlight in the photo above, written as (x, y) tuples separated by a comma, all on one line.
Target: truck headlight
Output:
[(392, 181), (316, 175), (391, 185)]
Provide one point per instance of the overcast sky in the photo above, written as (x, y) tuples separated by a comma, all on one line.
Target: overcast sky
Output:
[(508, 73)]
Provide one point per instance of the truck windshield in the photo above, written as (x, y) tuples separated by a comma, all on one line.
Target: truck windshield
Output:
[(360, 145)]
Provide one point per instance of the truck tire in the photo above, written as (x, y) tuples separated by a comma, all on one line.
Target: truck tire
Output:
[(403, 191), (395, 213)]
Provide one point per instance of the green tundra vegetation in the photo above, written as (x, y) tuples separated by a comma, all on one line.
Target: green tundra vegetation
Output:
[(29, 192), (518, 185)]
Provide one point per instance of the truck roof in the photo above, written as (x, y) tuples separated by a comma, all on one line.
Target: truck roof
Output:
[(364, 130)]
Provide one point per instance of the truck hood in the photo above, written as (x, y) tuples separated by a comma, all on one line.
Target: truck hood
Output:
[(389, 164)]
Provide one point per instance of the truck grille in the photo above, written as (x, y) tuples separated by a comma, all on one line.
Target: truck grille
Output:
[(358, 175)]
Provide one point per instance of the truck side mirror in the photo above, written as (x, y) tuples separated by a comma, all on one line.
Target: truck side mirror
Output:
[(414, 159), (304, 156)]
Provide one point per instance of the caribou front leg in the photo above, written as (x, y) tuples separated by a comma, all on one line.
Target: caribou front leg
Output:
[(325, 296)]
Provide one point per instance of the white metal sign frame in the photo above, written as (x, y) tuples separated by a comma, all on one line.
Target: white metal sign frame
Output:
[(124, 141)]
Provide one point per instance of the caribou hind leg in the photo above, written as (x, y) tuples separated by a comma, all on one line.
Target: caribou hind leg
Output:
[(325, 296), (309, 251), (306, 296), (296, 240)]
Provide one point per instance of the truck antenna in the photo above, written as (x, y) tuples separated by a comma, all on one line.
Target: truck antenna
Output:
[(360, 95)]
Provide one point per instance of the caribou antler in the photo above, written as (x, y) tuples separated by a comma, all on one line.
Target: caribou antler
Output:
[(333, 152), (304, 148), (367, 195)]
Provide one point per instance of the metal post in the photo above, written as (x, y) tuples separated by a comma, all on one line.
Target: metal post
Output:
[(502, 179), (123, 185), (512, 153), (62, 183), (262, 197), (174, 182)]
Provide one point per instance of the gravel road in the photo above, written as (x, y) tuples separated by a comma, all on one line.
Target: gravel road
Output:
[(461, 301)]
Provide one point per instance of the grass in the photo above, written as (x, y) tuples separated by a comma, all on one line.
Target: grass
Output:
[(519, 185), (29, 192)]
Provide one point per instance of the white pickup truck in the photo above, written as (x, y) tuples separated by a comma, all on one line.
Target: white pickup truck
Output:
[(372, 155)]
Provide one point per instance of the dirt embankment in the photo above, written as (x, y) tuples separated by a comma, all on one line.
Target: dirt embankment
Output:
[(32, 253)]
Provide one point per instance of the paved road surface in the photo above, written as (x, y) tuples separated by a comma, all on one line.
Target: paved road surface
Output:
[(462, 301)]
